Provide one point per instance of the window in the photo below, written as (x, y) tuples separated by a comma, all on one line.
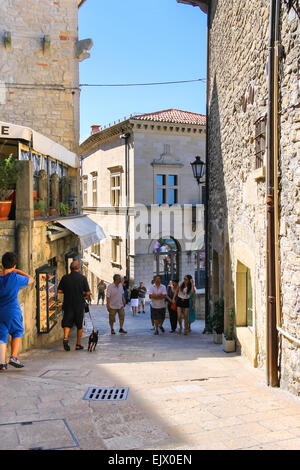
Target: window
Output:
[(244, 299), (96, 250), (249, 306), (173, 190), (166, 189), (115, 190), (116, 250), (260, 142), (84, 191), (94, 189)]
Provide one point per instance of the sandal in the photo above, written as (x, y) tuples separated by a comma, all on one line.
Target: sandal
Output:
[(3, 367), (15, 362), (78, 347)]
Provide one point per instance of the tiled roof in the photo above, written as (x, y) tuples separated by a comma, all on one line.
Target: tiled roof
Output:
[(173, 115)]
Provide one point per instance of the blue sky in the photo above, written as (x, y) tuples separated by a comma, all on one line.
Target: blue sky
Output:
[(140, 41)]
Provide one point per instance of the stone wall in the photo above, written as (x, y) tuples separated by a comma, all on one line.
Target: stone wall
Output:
[(237, 200), (289, 197), (41, 88)]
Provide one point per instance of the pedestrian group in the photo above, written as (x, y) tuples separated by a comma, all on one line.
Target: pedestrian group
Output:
[(179, 298)]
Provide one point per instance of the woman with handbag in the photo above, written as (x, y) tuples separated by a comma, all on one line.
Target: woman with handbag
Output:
[(172, 306)]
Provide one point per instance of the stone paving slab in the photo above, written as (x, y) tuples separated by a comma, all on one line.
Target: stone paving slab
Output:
[(184, 393)]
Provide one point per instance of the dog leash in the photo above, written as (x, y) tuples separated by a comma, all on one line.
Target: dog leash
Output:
[(91, 318)]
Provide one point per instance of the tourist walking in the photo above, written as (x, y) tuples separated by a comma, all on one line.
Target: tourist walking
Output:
[(11, 319), (182, 300), (126, 289), (101, 291), (192, 305), (158, 294), (76, 291), (151, 316), (134, 300), (116, 302), (142, 297), (172, 306)]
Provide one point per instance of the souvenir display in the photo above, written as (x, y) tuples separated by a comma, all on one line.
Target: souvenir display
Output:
[(48, 306)]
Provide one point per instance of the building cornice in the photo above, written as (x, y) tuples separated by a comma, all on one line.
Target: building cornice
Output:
[(93, 143), (203, 4)]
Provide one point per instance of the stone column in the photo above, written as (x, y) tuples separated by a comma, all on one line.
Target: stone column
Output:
[(24, 215)]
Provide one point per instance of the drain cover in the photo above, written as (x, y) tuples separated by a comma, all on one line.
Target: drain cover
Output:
[(106, 394)]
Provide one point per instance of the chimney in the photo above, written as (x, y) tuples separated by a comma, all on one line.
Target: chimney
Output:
[(95, 128)]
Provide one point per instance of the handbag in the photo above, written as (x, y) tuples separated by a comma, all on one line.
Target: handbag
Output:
[(173, 307), (86, 307)]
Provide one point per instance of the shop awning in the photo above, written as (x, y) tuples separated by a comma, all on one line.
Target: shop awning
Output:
[(87, 230), (39, 142)]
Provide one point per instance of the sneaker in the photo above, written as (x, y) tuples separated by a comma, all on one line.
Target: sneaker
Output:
[(156, 333), (162, 329), (66, 345), (113, 332), (122, 331)]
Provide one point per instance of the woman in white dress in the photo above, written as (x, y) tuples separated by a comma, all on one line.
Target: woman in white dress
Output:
[(134, 300)]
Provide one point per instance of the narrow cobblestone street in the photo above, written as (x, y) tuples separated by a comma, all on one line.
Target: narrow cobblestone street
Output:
[(184, 393)]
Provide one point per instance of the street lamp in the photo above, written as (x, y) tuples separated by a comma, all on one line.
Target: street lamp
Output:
[(198, 169)]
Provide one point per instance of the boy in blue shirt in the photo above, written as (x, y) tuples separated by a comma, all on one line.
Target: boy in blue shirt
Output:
[(11, 320)]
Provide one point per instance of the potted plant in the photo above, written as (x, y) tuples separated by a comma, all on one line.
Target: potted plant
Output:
[(228, 337), (52, 211), (39, 208), (63, 209), (9, 174), (218, 321)]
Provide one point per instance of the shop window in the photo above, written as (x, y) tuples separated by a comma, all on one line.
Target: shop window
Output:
[(199, 268)]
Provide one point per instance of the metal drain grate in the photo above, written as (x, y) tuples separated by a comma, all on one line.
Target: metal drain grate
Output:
[(106, 394)]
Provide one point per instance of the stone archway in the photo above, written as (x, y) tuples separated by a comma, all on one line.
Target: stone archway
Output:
[(166, 259)]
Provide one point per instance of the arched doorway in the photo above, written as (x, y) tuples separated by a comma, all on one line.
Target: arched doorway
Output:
[(165, 261)]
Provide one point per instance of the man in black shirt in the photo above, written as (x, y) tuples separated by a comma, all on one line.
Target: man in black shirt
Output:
[(75, 288)]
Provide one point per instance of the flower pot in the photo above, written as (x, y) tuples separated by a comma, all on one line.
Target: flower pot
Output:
[(35, 195), (217, 338), (228, 344), (52, 212), (36, 213), (5, 207)]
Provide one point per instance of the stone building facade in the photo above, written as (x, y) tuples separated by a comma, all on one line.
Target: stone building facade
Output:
[(146, 159), (39, 73), (244, 136)]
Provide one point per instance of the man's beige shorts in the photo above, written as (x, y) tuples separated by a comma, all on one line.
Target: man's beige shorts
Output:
[(112, 314)]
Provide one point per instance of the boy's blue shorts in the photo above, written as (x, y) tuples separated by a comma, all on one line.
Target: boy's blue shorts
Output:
[(13, 326)]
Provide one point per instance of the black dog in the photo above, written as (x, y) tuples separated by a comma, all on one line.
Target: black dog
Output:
[(93, 340)]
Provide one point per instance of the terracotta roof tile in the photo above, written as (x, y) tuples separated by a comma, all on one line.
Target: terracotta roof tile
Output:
[(173, 115)]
